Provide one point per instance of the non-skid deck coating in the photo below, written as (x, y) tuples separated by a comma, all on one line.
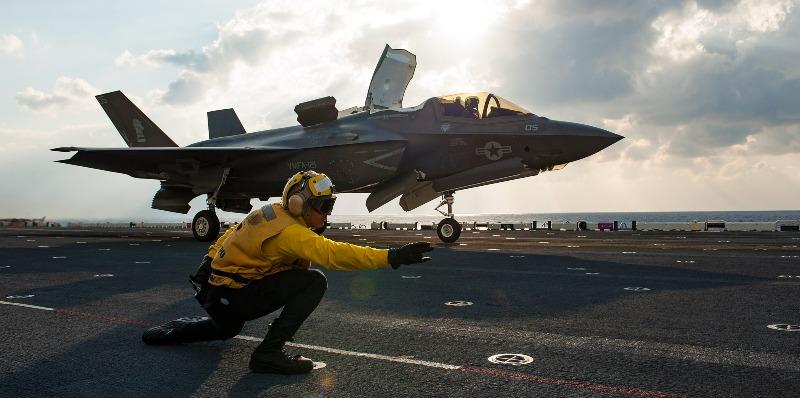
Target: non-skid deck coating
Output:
[(648, 314)]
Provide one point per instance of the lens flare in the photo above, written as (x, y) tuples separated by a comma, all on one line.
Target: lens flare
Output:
[(362, 287)]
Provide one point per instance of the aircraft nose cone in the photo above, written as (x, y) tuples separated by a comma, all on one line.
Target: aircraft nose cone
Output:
[(597, 139), (606, 135), (581, 140)]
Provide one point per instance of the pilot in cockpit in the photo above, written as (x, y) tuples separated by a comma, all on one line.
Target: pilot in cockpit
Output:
[(471, 105), (458, 107)]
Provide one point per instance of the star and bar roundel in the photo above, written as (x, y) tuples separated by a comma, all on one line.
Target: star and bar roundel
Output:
[(493, 150)]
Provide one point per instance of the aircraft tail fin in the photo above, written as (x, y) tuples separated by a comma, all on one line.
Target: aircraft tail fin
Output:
[(133, 125), (224, 123)]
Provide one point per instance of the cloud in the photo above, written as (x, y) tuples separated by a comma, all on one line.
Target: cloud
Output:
[(695, 78), (704, 91), (687, 79), (10, 44), (694, 30), (327, 45), (66, 91), (249, 38), (773, 140), (189, 59), (722, 76), (186, 89)]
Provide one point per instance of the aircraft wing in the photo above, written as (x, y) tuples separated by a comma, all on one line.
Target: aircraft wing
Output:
[(169, 163)]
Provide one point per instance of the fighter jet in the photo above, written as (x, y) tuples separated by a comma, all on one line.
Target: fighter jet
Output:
[(443, 145)]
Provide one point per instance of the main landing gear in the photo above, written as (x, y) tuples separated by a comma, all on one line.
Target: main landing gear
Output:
[(448, 229), (205, 225)]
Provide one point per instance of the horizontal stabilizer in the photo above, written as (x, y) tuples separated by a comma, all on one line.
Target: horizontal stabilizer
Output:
[(165, 163), (224, 123)]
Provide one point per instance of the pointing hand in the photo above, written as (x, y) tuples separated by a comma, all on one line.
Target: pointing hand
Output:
[(409, 254)]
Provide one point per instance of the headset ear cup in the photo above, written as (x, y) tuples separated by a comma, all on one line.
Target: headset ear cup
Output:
[(295, 206)]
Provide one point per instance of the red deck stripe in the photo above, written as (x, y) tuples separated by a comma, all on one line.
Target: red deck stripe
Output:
[(636, 392)]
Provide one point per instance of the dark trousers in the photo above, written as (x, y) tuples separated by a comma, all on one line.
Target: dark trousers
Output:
[(297, 291)]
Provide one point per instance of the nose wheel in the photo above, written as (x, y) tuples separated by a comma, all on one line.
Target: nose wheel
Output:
[(449, 230)]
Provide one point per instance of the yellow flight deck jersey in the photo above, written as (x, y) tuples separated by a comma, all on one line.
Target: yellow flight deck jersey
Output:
[(269, 240)]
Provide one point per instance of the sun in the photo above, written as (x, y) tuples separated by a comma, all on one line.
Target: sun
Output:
[(465, 21)]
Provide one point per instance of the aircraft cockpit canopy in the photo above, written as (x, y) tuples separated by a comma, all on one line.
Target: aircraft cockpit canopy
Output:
[(479, 105)]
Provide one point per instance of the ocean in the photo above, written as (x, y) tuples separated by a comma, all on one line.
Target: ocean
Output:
[(367, 219), (627, 217)]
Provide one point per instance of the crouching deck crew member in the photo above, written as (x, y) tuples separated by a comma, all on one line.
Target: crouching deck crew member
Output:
[(262, 264)]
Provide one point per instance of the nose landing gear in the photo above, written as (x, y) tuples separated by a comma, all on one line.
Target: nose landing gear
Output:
[(449, 230)]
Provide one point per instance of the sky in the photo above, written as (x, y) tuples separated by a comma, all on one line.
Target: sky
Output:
[(707, 93)]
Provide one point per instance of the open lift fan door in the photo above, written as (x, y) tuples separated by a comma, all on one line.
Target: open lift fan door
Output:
[(321, 110), (390, 79)]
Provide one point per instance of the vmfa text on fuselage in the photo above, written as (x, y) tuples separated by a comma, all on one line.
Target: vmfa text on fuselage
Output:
[(418, 154)]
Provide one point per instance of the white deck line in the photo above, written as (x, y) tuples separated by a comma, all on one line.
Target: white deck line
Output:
[(27, 306), (361, 354), (306, 346)]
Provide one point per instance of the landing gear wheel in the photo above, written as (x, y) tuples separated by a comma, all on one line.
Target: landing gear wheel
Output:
[(448, 230), (205, 226)]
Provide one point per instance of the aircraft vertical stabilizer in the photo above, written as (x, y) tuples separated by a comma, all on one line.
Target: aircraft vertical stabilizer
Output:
[(224, 123), (133, 125)]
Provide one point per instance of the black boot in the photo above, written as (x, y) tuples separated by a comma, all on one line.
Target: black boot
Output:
[(276, 361), (270, 358), (182, 330)]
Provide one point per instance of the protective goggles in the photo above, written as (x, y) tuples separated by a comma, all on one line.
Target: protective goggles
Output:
[(320, 185), (322, 205)]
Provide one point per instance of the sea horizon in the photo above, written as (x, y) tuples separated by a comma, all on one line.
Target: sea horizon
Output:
[(640, 216)]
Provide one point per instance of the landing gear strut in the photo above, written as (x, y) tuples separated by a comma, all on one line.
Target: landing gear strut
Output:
[(205, 225), (448, 229)]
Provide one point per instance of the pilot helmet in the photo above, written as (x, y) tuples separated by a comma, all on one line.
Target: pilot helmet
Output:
[(471, 102), (308, 189)]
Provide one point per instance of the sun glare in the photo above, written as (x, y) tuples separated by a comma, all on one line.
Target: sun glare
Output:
[(465, 21)]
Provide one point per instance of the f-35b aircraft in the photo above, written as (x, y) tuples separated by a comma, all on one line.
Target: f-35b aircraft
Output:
[(448, 143)]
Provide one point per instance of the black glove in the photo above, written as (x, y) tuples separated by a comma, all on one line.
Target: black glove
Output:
[(409, 254)]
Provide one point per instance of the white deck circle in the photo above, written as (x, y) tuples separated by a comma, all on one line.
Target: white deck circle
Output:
[(511, 359), (319, 365), (784, 327), (458, 303)]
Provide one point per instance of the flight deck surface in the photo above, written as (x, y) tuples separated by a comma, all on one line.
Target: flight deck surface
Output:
[(641, 314)]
